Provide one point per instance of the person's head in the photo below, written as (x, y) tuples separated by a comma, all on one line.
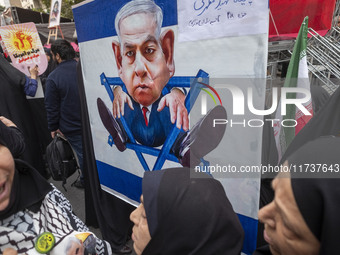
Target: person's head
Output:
[(74, 246), (144, 56), (303, 217), (56, 6), (62, 50), (182, 212), (48, 54), (285, 229), (7, 169), (21, 186)]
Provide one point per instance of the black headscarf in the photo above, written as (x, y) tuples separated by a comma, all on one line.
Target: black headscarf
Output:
[(189, 213), (29, 189), (318, 199), (13, 138), (15, 106)]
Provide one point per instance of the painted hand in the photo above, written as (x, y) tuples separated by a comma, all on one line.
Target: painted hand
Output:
[(120, 98), (175, 101)]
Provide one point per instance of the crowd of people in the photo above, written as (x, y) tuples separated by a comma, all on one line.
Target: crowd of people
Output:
[(181, 211)]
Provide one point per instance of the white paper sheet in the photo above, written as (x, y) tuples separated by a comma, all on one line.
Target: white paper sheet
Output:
[(209, 19)]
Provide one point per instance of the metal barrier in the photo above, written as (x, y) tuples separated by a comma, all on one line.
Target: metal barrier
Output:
[(323, 53)]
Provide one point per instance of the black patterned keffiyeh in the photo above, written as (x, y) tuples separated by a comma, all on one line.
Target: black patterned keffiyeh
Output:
[(20, 230)]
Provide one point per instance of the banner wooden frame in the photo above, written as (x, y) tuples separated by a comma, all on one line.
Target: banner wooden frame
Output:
[(54, 32)]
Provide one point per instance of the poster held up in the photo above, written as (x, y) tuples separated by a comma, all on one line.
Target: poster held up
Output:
[(24, 47)]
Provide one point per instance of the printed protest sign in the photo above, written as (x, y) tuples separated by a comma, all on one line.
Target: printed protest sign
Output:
[(24, 47)]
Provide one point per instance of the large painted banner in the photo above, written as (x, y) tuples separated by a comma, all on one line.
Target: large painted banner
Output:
[(212, 52), (23, 45)]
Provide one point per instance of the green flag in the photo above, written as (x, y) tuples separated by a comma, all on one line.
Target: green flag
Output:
[(295, 118)]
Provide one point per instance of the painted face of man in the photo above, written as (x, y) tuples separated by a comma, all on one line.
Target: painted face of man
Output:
[(6, 176), (144, 61), (285, 229), (140, 231)]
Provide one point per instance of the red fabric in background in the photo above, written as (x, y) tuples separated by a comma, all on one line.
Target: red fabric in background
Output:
[(289, 14)]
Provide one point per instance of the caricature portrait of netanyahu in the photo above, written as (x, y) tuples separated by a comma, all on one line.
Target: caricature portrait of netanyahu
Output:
[(145, 62)]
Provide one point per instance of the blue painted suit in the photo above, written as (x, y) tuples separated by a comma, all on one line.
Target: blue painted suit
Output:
[(159, 126)]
